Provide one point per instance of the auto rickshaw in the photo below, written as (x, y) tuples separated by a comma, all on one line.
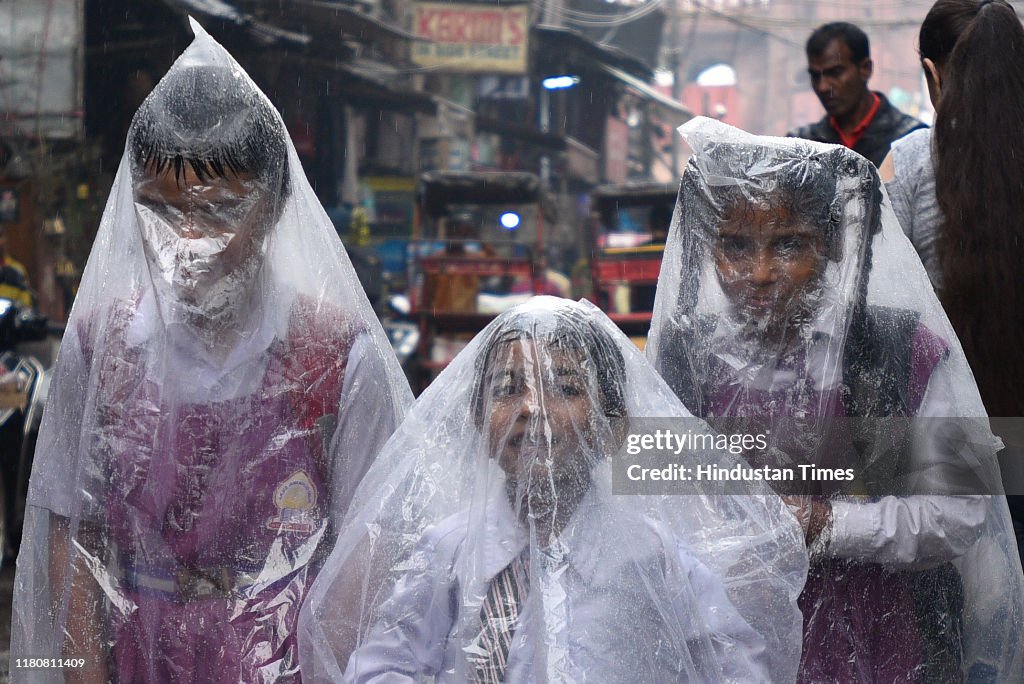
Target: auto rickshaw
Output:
[(477, 249), (629, 224)]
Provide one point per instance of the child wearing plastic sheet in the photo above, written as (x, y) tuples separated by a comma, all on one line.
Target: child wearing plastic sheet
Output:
[(222, 386), (789, 295), (485, 543)]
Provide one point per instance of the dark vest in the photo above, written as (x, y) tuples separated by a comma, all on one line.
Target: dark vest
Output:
[(889, 125)]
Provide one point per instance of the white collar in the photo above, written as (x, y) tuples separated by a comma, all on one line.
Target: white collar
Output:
[(184, 357), (820, 343), (602, 534)]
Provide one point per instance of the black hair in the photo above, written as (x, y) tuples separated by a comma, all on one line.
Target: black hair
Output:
[(854, 38), (573, 332), (815, 184), (801, 181), (801, 178), (978, 145), (213, 120)]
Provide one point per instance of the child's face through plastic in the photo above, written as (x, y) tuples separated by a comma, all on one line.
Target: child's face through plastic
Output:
[(541, 402), (768, 264), (201, 235)]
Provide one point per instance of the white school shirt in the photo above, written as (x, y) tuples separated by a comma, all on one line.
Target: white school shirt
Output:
[(599, 619)]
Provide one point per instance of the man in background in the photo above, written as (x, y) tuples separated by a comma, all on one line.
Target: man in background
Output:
[(839, 63)]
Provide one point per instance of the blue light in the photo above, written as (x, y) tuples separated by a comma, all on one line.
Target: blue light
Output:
[(509, 220), (559, 82)]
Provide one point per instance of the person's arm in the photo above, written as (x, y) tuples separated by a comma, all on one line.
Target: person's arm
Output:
[(910, 183), (370, 408), (887, 171), (740, 652), (409, 639), (76, 602), (912, 532), (923, 530), (84, 634), (902, 191)]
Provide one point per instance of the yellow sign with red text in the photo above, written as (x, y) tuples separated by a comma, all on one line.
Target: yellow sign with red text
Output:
[(471, 38)]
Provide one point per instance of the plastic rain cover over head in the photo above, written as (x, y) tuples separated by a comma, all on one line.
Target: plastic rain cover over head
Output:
[(790, 297), (222, 386), (486, 545)]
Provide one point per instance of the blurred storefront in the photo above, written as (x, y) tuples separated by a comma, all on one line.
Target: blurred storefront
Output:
[(46, 195), (372, 92)]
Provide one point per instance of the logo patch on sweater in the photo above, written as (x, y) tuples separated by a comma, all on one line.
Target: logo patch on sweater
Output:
[(295, 498)]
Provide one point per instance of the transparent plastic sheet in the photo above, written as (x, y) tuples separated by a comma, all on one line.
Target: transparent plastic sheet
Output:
[(222, 386), (499, 483), (789, 296)]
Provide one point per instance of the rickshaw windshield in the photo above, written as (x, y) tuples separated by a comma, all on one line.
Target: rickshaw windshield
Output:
[(632, 215), (627, 226), (498, 230)]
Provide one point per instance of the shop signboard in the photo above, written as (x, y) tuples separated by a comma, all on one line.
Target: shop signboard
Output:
[(471, 38)]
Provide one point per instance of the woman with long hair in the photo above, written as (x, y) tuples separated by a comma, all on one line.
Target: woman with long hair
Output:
[(958, 191), (973, 58)]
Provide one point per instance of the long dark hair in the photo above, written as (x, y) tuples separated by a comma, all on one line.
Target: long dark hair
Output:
[(978, 48)]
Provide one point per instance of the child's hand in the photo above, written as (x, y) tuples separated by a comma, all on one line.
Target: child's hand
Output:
[(813, 514)]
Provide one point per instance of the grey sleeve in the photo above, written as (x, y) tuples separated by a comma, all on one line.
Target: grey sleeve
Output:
[(368, 412), (901, 193), (60, 469), (409, 639)]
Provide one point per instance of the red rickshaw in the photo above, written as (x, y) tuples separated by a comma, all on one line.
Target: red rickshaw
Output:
[(477, 239), (629, 225)]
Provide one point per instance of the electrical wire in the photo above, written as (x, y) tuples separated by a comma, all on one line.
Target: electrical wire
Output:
[(597, 19)]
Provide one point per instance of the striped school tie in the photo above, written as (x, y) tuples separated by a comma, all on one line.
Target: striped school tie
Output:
[(499, 617)]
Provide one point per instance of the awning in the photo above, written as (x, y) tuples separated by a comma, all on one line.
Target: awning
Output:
[(363, 89), (436, 190), (634, 192), (575, 51), (302, 22), (266, 34), (646, 91), (520, 131), (334, 20)]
